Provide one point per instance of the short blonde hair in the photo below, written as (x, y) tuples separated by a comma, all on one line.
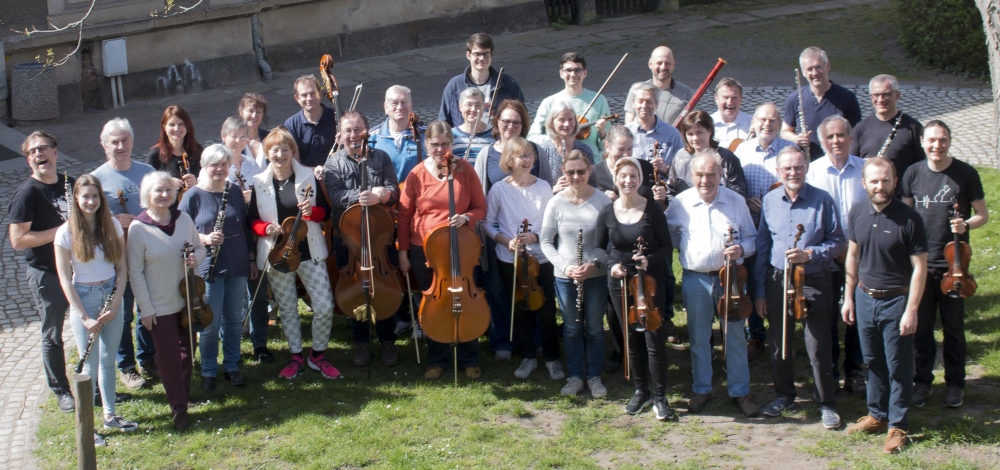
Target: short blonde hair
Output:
[(151, 180), (514, 147), (277, 136)]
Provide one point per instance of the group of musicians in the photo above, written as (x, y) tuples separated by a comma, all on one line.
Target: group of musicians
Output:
[(828, 217)]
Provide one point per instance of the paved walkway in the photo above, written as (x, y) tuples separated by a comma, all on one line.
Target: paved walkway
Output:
[(22, 389)]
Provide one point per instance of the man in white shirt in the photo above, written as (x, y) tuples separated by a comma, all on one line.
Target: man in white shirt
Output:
[(839, 174), (730, 123), (675, 96), (699, 221)]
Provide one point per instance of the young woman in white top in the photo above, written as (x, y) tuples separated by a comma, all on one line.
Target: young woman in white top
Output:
[(90, 260), (511, 200)]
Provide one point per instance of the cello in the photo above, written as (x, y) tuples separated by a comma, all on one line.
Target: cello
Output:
[(958, 282), (734, 305), (453, 309), (643, 314), (526, 288), (794, 299), (285, 255), (369, 284)]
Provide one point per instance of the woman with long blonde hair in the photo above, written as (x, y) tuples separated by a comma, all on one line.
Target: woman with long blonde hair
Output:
[(92, 268)]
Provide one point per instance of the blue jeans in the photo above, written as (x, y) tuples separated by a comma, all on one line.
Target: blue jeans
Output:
[(144, 350), (498, 298), (700, 293), (595, 294), (100, 365), (888, 355), (225, 297)]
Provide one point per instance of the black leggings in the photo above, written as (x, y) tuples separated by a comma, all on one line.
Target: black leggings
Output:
[(524, 322), (647, 351)]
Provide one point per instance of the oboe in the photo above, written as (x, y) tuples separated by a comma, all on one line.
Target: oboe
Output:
[(802, 113), (93, 336), (888, 140), (219, 220), (579, 283)]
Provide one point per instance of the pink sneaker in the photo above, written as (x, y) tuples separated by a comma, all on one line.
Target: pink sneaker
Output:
[(324, 367), (293, 368)]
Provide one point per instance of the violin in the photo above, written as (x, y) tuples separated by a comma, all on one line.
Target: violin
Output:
[(187, 171), (285, 255), (643, 314), (122, 199), (526, 287), (453, 309), (199, 313), (795, 278), (734, 305), (369, 285), (958, 282), (585, 131), (585, 125)]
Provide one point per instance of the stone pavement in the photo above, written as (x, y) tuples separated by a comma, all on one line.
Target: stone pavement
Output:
[(22, 386)]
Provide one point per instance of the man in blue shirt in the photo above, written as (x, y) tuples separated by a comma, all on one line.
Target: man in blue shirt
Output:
[(649, 129), (821, 98), (315, 127), (797, 204), (394, 136), (479, 74)]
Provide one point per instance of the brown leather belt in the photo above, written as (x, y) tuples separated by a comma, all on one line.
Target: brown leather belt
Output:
[(885, 293), (713, 273)]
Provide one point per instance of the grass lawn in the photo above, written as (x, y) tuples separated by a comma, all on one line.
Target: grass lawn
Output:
[(398, 419)]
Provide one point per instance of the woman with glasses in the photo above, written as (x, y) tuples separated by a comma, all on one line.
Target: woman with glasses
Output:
[(472, 135)]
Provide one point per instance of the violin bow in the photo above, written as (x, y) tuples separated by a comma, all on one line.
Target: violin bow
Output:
[(513, 292), (413, 319), (624, 321), (357, 95), (613, 72), (187, 290), (493, 100)]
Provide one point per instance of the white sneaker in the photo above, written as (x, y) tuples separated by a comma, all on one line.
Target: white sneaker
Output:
[(597, 388), (572, 387), (555, 370), (526, 368)]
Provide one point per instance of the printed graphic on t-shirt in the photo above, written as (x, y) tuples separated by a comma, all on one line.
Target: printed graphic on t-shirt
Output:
[(943, 196)]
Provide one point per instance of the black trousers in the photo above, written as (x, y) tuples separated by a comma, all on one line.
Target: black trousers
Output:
[(524, 320), (853, 359), (51, 304), (439, 354), (953, 325), (647, 351), (817, 292)]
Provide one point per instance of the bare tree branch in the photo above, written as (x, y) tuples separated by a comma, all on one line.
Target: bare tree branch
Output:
[(172, 6)]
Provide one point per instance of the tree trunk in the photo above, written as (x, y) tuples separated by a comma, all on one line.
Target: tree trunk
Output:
[(990, 10)]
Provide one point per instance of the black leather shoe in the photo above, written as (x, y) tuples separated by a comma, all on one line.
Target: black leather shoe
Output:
[(263, 355), (208, 384), (66, 403), (235, 378)]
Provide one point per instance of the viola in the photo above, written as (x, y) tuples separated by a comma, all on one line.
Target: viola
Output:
[(285, 255), (527, 290), (958, 282), (734, 305), (453, 309), (585, 126), (369, 285), (199, 313), (643, 314)]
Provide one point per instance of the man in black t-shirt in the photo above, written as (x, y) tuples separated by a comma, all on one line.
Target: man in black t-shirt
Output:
[(886, 270), (871, 133), (36, 211), (932, 188)]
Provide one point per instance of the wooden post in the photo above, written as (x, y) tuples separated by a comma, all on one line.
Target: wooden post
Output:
[(83, 394)]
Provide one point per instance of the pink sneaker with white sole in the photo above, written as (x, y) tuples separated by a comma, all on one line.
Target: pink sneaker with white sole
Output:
[(293, 369), (323, 366)]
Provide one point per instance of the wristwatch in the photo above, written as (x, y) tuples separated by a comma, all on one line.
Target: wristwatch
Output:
[(810, 253), (967, 228)]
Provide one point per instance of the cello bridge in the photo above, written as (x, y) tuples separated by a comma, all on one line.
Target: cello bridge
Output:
[(455, 289)]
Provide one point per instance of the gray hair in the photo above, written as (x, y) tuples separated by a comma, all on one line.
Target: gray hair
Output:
[(398, 89), (233, 124), (151, 180), (791, 149), (557, 108), (470, 92), (769, 103), (880, 79), (813, 52), (830, 119), (710, 154), (616, 133), (646, 86), (115, 125), (213, 155)]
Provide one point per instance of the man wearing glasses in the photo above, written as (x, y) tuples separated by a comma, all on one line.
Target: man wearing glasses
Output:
[(675, 95), (821, 97), (479, 74), (796, 204), (394, 136), (573, 70), (872, 132)]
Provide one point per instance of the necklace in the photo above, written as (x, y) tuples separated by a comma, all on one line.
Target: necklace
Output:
[(282, 185)]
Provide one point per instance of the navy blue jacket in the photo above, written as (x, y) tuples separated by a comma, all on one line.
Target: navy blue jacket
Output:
[(509, 89)]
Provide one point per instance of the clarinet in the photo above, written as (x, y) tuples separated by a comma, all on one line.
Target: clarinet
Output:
[(69, 194), (93, 337), (579, 283), (802, 112), (888, 140), (219, 220)]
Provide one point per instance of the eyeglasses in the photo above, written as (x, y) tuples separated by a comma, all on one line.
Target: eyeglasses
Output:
[(572, 173), (482, 55), (39, 149), (882, 96), (577, 70), (510, 123), (397, 104), (793, 169)]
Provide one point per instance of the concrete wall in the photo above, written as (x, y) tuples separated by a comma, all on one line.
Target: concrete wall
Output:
[(211, 46)]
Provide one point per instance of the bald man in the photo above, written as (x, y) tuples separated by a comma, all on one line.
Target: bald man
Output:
[(675, 95)]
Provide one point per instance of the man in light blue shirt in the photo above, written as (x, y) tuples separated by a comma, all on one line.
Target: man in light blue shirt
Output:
[(758, 155), (839, 174), (647, 129)]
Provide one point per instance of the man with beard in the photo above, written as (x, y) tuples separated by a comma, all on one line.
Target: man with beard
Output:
[(730, 123), (932, 188), (798, 204), (674, 95), (822, 98), (886, 271)]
